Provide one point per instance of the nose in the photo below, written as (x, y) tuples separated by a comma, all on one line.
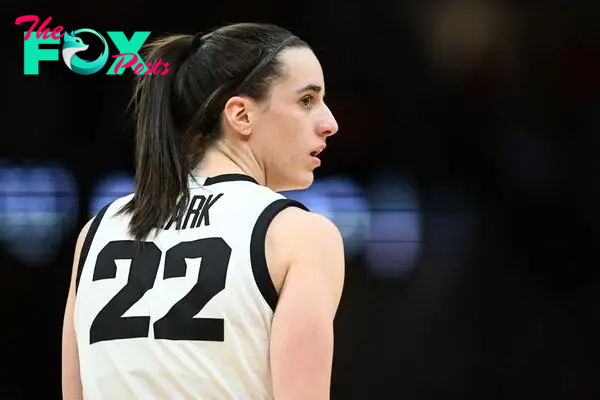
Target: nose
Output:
[(327, 125)]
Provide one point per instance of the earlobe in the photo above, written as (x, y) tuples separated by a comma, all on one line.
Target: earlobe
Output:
[(236, 112)]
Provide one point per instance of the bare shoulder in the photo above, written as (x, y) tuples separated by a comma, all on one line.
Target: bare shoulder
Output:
[(79, 245), (71, 379), (83, 234), (84, 230), (310, 244), (294, 223)]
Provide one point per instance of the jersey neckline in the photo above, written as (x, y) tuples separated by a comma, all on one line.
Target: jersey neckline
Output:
[(211, 180)]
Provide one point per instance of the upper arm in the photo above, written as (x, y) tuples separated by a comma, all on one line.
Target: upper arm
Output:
[(71, 381), (302, 327)]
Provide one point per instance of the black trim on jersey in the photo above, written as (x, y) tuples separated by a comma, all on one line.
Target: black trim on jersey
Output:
[(258, 258), (229, 178), (85, 249)]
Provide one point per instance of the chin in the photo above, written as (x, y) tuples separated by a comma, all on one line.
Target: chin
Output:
[(299, 182)]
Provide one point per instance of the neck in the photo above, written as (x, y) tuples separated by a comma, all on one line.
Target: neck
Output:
[(223, 159)]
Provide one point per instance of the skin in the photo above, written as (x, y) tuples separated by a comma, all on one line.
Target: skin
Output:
[(272, 141), (71, 380)]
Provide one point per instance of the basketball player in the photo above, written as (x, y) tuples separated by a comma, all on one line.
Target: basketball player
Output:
[(206, 283)]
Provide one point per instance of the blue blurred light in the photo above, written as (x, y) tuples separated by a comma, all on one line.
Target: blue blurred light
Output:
[(342, 200), (395, 235), (315, 198), (38, 205), (350, 211), (110, 188)]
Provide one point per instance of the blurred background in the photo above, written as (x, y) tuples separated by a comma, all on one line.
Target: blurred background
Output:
[(464, 179)]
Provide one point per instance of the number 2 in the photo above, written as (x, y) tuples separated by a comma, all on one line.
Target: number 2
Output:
[(179, 322)]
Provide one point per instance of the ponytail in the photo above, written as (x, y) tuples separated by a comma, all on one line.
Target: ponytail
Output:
[(162, 168), (178, 114)]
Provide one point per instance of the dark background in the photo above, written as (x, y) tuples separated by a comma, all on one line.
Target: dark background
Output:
[(464, 178)]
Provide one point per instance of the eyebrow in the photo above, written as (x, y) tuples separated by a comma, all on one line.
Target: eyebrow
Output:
[(311, 87)]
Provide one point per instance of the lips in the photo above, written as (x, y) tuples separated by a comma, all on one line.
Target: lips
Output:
[(317, 151)]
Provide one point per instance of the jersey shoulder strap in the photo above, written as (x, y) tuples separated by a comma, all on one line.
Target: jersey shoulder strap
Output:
[(258, 258), (87, 243)]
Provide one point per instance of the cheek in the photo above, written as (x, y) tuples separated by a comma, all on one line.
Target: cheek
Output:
[(283, 140), (294, 144), (286, 150), (287, 137)]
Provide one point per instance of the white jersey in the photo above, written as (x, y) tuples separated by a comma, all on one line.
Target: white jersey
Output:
[(186, 314)]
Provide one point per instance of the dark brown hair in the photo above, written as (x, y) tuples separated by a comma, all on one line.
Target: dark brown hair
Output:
[(178, 114)]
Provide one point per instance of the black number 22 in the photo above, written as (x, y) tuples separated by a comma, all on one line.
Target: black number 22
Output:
[(179, 323)]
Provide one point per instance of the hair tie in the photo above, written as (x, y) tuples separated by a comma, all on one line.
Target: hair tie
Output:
[(197, 42)]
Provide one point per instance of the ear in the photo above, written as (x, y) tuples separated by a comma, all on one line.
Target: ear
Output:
[(237, 115)]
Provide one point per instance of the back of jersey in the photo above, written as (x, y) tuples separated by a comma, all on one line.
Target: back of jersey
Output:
[(187, 313)]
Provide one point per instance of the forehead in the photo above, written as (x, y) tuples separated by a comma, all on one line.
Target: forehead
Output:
[(301, 68)]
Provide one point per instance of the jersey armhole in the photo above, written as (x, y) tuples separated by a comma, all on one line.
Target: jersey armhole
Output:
[(258, 258), (87, 243)]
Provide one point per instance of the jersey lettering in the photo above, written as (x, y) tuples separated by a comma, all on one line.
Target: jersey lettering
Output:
[(196, 213), (179, 322)]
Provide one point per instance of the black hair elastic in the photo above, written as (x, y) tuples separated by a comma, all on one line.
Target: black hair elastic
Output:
[(197, 42)]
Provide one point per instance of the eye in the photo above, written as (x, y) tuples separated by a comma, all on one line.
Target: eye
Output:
[(307, 101)]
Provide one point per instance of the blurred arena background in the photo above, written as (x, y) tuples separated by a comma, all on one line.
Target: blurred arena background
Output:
[(464, 179)]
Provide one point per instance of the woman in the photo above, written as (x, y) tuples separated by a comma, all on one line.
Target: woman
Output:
[(206, 283)]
